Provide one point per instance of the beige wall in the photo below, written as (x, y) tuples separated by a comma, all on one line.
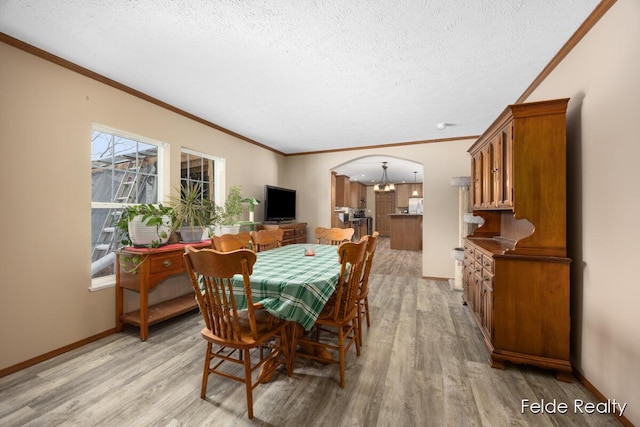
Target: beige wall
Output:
[(602, 78), (46, 114)]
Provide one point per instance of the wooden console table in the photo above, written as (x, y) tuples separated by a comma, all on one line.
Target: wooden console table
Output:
[(294, 232), (141, 270)]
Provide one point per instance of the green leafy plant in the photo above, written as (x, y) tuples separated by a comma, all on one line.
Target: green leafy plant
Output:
[(232, 209), (213, 212), (190, 207), (251, 202), (152, 215)]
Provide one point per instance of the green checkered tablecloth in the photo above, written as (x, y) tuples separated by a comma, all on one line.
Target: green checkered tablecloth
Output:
[(293, 286)]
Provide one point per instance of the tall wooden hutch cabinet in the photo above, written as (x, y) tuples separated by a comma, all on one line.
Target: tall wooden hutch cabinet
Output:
[(516, 270)]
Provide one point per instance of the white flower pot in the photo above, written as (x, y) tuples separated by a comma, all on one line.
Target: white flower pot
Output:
[(229, 229), (144, 235), (214, 230)]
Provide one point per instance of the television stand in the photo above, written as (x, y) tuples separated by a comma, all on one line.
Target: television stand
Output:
[(294, 232)]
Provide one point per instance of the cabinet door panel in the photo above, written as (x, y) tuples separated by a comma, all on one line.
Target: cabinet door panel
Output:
[(506, 167), (487, 313), (496, 170), (487, 179), (476, 182)]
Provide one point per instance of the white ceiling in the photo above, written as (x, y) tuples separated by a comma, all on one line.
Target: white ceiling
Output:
[(302, 75)]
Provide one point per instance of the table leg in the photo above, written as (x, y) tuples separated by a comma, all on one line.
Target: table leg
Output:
[(119, 296), (306, 348), (144, 314)]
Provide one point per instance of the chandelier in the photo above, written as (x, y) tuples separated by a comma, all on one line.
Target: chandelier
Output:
[(384, 184)]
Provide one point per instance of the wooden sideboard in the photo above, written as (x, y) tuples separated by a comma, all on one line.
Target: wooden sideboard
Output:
[(295, 232), (141, 270), (516, 270)]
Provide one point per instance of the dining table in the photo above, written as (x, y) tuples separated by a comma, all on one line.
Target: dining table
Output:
[(292, 284)]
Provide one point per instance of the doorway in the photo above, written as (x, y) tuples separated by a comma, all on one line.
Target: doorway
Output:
[(365, 172), (385, 206)]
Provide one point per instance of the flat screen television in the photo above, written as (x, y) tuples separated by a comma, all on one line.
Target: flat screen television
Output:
[(279, 204)]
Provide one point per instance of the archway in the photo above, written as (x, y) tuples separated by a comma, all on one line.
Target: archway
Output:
[(359, 175)]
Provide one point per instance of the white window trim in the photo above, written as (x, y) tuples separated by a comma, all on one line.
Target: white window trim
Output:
[(104, 282)]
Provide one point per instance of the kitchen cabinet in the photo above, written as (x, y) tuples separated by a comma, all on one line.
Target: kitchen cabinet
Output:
[(358, 195), (343, 191), (403, 192), (516, 270), (492, 171)]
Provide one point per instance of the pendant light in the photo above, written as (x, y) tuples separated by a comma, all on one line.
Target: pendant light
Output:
[(384, 184), (415, 185)]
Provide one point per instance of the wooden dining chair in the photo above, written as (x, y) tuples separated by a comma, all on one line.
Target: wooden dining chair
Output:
[(336, 328), (336, 236), (271, 238), (231, 242), (362, 300), (320, 234), (236, 333)]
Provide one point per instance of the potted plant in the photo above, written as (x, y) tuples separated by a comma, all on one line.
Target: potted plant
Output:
[(231, 211), (214, 215), (251, 202), (191, 213), (145, 225)]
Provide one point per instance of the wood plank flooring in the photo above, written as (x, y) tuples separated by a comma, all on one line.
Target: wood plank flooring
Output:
[(423, 364)]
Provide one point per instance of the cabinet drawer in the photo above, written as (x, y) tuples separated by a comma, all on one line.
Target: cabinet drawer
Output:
[(301, 232), (487, 279), (288, 234), (160, 264), (468, 249), (468, 259), (487, 263)]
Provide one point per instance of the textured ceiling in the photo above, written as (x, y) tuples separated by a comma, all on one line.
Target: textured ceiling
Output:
[(302, 76)]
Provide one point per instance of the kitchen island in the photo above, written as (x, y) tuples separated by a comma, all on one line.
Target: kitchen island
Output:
[(405, 232)]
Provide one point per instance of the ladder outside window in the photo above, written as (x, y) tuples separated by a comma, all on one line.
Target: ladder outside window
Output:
[(124, 171)]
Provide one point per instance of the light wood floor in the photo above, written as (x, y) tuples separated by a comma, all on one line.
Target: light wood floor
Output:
[(423, 364)]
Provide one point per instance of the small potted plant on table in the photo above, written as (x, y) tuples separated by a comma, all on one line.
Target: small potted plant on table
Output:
[(251, 202), (145, 225), (231, 211), (191, 213)]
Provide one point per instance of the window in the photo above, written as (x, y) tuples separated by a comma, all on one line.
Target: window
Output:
[(201, 170), (124, 170)]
